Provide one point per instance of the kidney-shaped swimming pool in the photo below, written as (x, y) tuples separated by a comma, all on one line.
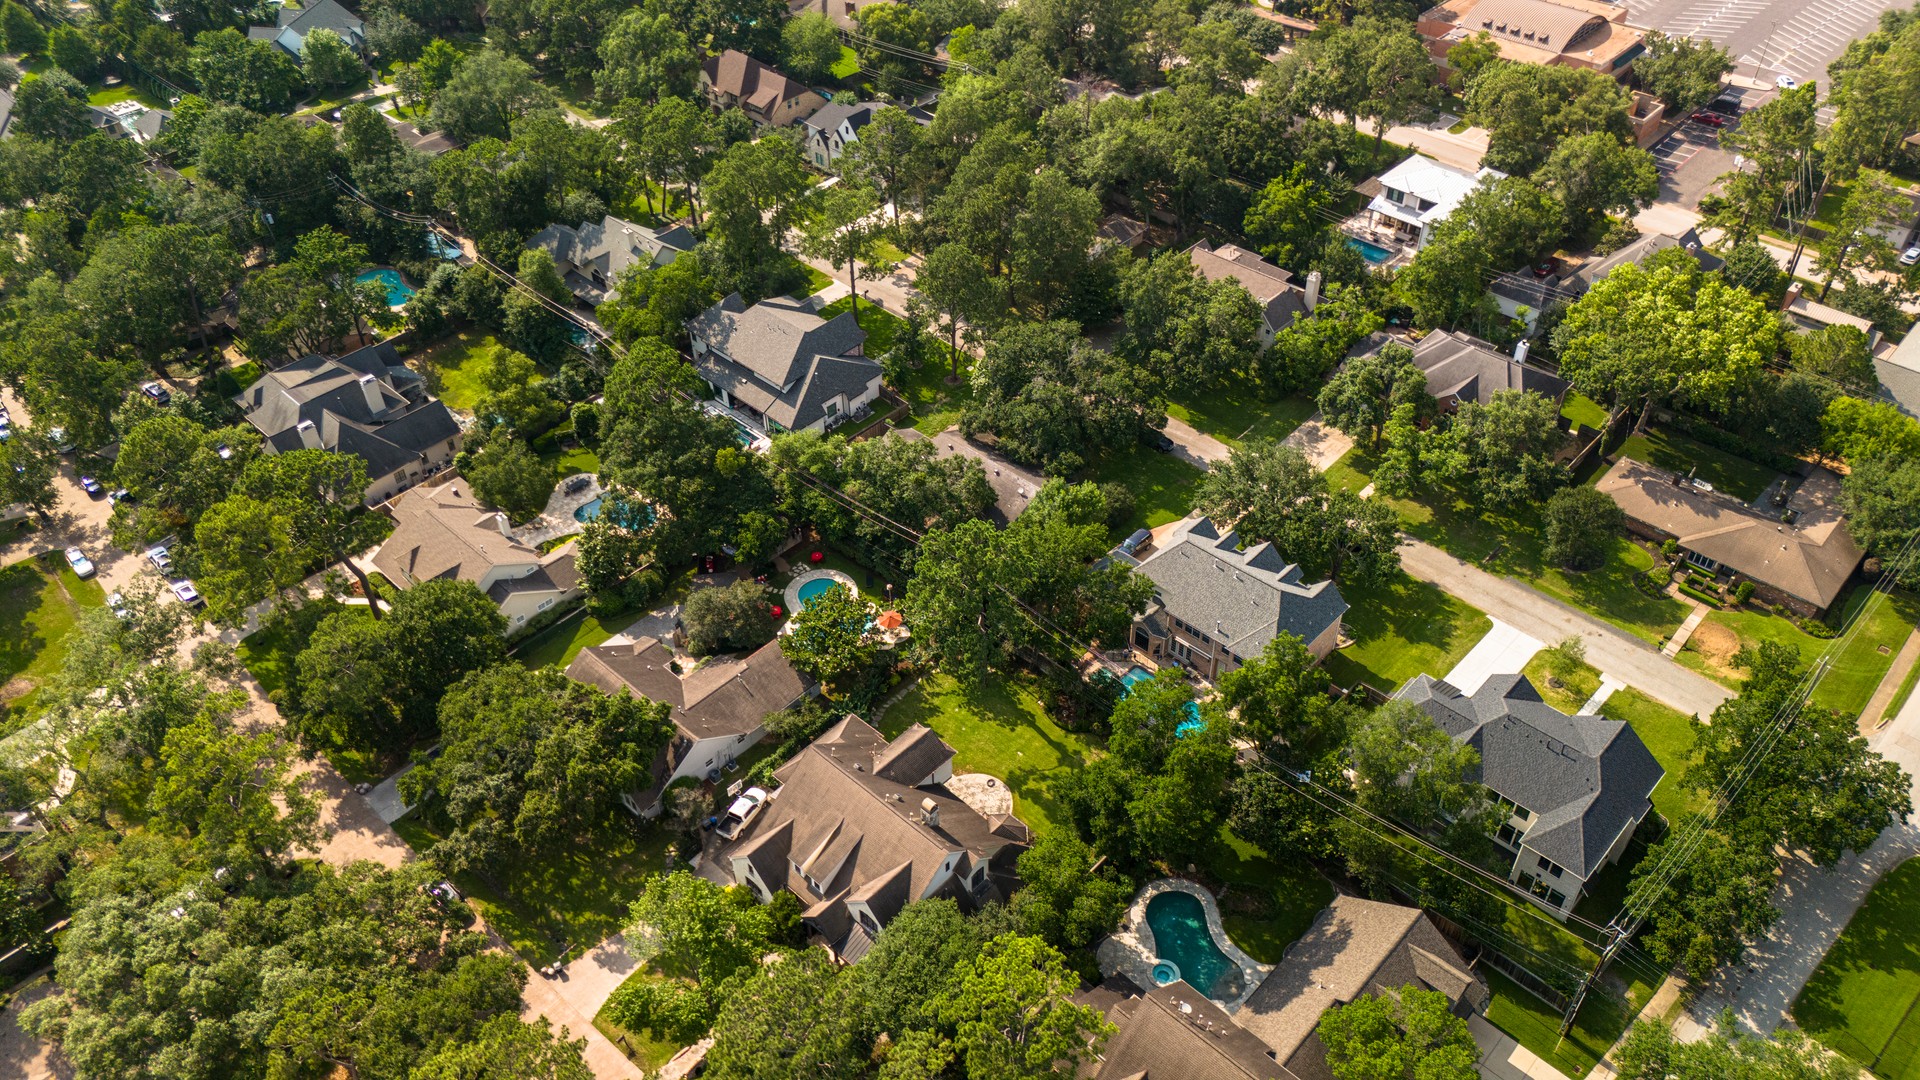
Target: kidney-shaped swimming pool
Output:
[(1180, 934)]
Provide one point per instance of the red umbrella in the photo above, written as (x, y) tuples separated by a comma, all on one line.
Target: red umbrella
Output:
[(817, 556), (776, 611)]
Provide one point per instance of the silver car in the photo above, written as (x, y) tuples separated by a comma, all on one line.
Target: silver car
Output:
[(742, 812), (77, 559)]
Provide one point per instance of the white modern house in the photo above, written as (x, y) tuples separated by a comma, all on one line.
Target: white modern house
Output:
[(1417, 195)]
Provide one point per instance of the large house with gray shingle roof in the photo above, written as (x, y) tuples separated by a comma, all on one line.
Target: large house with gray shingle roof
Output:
[(366, 403), (1216, 606), (445, 533), (719, 708), (1576, 787), (292, 25), (1280, 300), (1460, 369), (780, 367), (591, 258), (861, 826)]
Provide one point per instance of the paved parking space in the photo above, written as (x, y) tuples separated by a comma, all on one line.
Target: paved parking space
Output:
[(1504, 651), (1768, 38)]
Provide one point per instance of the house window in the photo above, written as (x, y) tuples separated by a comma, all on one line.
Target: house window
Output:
[(519, 618), (1395, 195), (1550, 866), (1704, 563), (1140, 639), (1508, 836), (833, 408), (545, 604)]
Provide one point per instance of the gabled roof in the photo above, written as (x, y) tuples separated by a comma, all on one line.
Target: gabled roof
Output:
[(1584, 778), (830, 116), (319, 15), (780, 358), (1242, 599), (758, 86), (1355, 947), (445, 532), (1812, 558), (365, 403), (1899, 373), (724, 696), (839, 822), (1272, 288), (1460, 367), (1174, 1032), (610, 246)]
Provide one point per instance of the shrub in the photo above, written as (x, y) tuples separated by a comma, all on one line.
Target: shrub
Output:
[(1670, 549), (736, 616), (667, 1009), (1743, 592), (1581, 526), (1701, 595), (1661, 576)]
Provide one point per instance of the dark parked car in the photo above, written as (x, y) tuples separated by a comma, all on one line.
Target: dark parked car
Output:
[(1157, 440), (1726, 106)]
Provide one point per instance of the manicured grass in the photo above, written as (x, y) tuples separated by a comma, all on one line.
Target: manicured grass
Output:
[(40, 601), (230, 381), (1856, 670), (869, 582), (1512, 544), (558, 644), (1669, 734), (1163, 485), (126, 91), (936, 403), (882, 326), (1536, 1026), (1401, 629), (816, 280), (848, 65), (568, 898), (1001, 729), (1569, 697), (1584, 411), (455, 367), (1236, 413), (1861, 1000), (1738, 477)]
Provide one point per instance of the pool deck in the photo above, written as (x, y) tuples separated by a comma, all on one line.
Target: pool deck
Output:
[(811, 575), (557, 519), (1131, 951)]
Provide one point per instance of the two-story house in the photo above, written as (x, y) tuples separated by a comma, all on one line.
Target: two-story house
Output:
[(366, 403), (1280, 300), (780, 367), (763, 93), (1460, 368), (1216, 606), (1574, 788), (444, 532), (592, 257), (1418, 194), (291, 26), (860, 827), (719, 708)]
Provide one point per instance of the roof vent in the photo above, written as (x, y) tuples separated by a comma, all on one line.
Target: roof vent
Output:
[(1544, 39)]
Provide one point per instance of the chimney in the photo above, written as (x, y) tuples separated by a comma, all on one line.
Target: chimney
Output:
[(500, 522), (1313, 290), (370, 389), (930, 813), (309, 435), (1520, 351), (1793, 293)]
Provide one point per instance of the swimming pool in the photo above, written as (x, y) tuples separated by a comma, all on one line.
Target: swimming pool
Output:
[(1180, 936), (1369, 251), (1138, 674), (398, 291), (816, 588), (590, 511)]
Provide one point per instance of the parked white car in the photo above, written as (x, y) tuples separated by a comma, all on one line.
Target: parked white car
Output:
[(77, 559), (1910, 256), (744, 810), (161, 561), (186, 593)]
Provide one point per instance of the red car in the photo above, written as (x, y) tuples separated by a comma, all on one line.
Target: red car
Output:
[(1711, 119)]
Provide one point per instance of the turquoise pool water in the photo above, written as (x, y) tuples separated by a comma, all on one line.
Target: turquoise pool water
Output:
[(815, 588), (590, 511), (398, 291), (1138, 674), (1180, 935), (1371, 252)]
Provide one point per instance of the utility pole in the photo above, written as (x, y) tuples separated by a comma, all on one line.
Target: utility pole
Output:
[(1616, 937)]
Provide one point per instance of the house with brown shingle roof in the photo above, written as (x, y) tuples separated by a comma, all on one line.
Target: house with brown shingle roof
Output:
[(1174, 1032), (1802, 558), (763, 93), (1356, 947), (445, 532), (1272, 288), (861, 826), (719, 708)]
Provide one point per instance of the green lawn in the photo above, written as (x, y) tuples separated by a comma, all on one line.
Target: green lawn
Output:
[(848, 65), (455, 367), (1861, 999), (1512, 544), (573, 896), (1001, 729), (1584, 411), (558, 644), (40, 600), (1855, 672), (1163, 485), (126, 91), (641, 1048), (936, 404), (1669, 734), (1402, 629), (1536, 1026), (816, 280), (1738, 477), (1567, 698), (1236, 413)]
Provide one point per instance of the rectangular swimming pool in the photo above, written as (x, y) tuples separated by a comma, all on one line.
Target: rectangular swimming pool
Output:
[(1369, 251)]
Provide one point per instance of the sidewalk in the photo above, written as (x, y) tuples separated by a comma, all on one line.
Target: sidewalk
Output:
[(1503, 1058), (1874, 715)]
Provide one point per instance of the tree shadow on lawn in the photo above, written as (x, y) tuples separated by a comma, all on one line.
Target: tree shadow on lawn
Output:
[(1859, 999)]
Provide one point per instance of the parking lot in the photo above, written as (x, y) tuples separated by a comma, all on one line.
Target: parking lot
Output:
[(1768, 38), (1690, 159)]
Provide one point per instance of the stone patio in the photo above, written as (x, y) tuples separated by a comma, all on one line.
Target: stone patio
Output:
[(986, 794), (1130, 950), (557, 519)]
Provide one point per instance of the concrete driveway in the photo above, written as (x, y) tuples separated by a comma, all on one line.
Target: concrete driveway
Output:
[(1614, 652), (1503, 1058), (1503, 651)]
